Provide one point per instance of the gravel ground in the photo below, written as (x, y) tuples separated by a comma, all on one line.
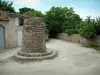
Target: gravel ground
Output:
[(73, 59)]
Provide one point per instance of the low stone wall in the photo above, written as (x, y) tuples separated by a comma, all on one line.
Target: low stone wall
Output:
[(76, 38)]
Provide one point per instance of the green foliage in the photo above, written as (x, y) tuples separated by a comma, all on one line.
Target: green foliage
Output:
[(71, 31), (97, 47), (33, 14), (71, 23), (54, 19), (59, 19), (25, 9), (87, 29), (97, 25), (6, 6), (65, 20)]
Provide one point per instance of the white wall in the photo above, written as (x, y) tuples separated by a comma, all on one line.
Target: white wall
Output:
[(20, 38), (17, 21)]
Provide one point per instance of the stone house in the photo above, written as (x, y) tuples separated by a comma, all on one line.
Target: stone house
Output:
[(8, 30), (11, 27)]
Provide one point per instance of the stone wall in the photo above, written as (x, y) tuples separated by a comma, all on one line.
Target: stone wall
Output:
[(34, 35), (20, 28), (11, 38), (76, 38)]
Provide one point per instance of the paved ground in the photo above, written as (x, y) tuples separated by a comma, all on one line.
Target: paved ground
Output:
[(73, 59)]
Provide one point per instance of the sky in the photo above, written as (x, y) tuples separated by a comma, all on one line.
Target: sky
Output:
[(82, 7)]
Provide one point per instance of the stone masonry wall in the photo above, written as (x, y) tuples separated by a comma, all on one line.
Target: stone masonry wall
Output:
[(76, 38), (34, 35)]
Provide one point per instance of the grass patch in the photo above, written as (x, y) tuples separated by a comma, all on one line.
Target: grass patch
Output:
[(94, 46)]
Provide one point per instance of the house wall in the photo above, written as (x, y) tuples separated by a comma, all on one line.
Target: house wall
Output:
[(76, 38), (11, 35), (19, 31), (1, 37)]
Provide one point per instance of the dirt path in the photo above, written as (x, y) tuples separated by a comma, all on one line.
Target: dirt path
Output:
[(72, 60)]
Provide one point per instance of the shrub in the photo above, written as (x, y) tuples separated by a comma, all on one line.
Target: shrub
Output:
[(71, 31), (97, 47), (87, 29), (97, 26), (87, 32)]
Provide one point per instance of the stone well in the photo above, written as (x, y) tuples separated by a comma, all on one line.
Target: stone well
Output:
[(34, 46)]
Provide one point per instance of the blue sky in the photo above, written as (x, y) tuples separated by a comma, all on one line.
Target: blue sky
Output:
[(82, 7)]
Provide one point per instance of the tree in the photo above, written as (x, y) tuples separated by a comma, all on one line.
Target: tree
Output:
[(54, 19), (88, 28), (98, 25), (59, 19), (33, 14), (25, 9), (7, 6)]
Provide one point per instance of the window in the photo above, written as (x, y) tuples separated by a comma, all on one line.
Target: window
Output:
[(21, 21)]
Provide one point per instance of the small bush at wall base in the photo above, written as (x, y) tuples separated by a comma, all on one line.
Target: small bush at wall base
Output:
[(87, 29), (87, 34), (94, 46), (71, 31)]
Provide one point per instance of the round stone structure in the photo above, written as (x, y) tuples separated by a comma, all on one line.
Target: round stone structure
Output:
[(34, 35), (33, 42)]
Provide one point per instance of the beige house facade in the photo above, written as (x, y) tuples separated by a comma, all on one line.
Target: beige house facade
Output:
[(8, 31)]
